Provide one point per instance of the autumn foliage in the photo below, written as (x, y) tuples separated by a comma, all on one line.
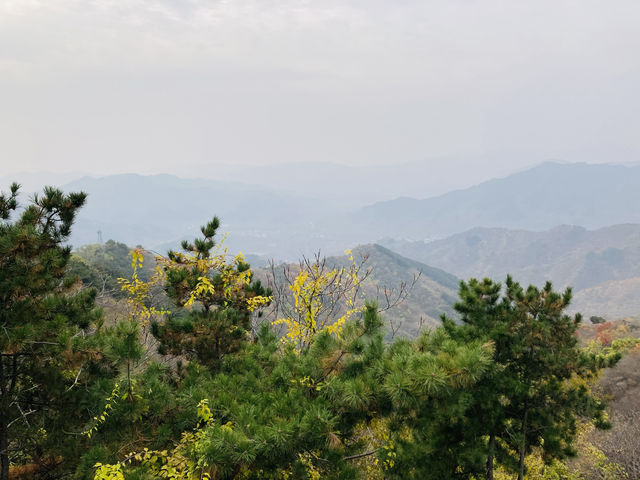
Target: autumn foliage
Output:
[(189, 380)]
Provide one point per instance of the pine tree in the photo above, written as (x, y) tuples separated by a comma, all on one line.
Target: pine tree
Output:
[(42, 314), (534, 393), (432, 386), (215, 300), (273, 412)]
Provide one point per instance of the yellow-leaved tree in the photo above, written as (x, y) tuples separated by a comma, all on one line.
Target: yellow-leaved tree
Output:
[(317, 298), (138, 291)]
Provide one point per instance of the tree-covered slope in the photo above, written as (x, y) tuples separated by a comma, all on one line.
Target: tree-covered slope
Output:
[(432, 294)]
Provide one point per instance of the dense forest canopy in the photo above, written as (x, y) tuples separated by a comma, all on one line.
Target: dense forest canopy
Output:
[(121, 364)]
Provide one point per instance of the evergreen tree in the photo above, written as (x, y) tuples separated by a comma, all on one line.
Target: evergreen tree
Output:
[(433, 387), (42, 313), (273, 412), (534, 393), (221, 297)]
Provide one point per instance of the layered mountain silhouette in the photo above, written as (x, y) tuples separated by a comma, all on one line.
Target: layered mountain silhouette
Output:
[(602, 266), (573, 224), (159, 210), (543, 197)]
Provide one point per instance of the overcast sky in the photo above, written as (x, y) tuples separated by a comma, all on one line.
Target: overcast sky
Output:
[(106, 86)]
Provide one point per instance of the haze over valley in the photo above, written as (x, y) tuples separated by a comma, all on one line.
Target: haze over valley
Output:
[(573, 224)]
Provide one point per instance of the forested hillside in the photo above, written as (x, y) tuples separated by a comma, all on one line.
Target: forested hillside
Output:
[(614, 300), (319, 240), (569, 255), (184, 374), (416, 293)]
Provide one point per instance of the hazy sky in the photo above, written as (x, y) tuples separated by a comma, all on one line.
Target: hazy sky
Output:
[(109, 86)]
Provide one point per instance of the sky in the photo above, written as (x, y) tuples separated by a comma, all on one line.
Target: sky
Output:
[(472, 89)]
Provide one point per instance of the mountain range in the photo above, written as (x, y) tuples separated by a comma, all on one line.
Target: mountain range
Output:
[(158, 211), (283, 223), (602, 266), (566, 255), (573, 224), (540, 198)]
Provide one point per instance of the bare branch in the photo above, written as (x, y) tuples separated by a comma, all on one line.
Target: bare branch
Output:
[(360, 455)]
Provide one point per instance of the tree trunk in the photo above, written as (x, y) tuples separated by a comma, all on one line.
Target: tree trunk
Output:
[(4, 448), (492, 449), (523, 445), (4, 429)]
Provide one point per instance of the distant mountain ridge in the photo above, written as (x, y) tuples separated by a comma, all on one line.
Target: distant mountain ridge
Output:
[(158, 210), (568, 255), (505, 225), (353, 186), (551, 194)]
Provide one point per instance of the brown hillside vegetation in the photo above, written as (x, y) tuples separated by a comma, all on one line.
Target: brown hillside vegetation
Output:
[(621, 385), (614, 299), (567, 255)]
